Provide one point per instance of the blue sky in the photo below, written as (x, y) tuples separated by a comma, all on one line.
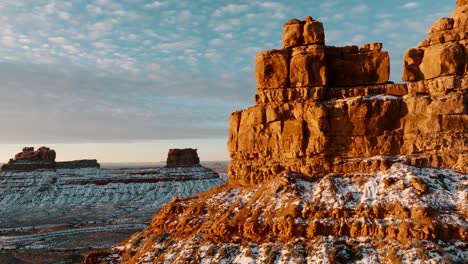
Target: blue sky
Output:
[(139, 72)]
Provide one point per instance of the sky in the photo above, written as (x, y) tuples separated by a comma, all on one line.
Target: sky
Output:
[(125, 80)]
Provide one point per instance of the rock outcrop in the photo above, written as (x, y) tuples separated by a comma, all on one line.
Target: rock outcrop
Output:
[(322, 109), (333, 164), (43, 159), (30, 159), (77, 164), (182, 158)]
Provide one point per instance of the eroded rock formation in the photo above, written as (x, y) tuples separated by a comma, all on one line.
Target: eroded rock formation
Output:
[(43, 159), (324, 167), (30, 159), (322, 109), (182, 158)]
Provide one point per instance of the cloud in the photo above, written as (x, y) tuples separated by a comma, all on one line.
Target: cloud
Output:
[(153, 5), (176, 46), (359, 9), (81, 106), (64, 15), (271, 5), (410, 5), (95, 10), (328, 5), (230, 9), (227, 25), (58, 40), (160, 69), (8, 40), (216, 42)]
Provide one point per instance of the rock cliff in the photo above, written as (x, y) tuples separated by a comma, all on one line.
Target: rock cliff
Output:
[(333, 164), (322, 109)]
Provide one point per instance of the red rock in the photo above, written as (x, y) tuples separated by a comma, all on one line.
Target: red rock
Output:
[(313, 33), (42, 154), (412, 60), (272, 69), (346, 67), (361, 125), (443, 60), (293, 33), (308, 67), (371, 46)]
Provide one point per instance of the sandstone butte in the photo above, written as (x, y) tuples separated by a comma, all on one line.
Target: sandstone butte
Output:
[(334, 163), (43, 159), (182, 158)]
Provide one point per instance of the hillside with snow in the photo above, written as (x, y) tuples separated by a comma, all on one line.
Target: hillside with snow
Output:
[(404, 214), (81, 209)]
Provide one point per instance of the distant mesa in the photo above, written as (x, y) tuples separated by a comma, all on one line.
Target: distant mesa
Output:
[(44, 159), (77, 164), (187, 157)]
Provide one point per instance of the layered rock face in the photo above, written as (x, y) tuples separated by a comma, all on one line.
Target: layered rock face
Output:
[(333, 164), (182, 158), (322, 109), (29, 160)]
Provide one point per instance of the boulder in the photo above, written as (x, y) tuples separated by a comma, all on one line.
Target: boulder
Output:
[(412, 60), (371, 46), (313, 32), (462, 2), (293, 33), (347, 67), (443, 60), (442, 24), (460, 16), (272, 69), (308, 67)]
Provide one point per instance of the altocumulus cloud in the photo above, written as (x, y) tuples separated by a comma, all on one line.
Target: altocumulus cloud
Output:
[(108, 70)]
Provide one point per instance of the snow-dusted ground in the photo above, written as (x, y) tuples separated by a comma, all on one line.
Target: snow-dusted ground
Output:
[(48, 209), (96, 188), (446, 192)]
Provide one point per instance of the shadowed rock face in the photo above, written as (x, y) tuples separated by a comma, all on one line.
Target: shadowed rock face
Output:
[(324, 167), (43, 154), (30, 160), (43, 159), (77, 164), (182, 158)]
